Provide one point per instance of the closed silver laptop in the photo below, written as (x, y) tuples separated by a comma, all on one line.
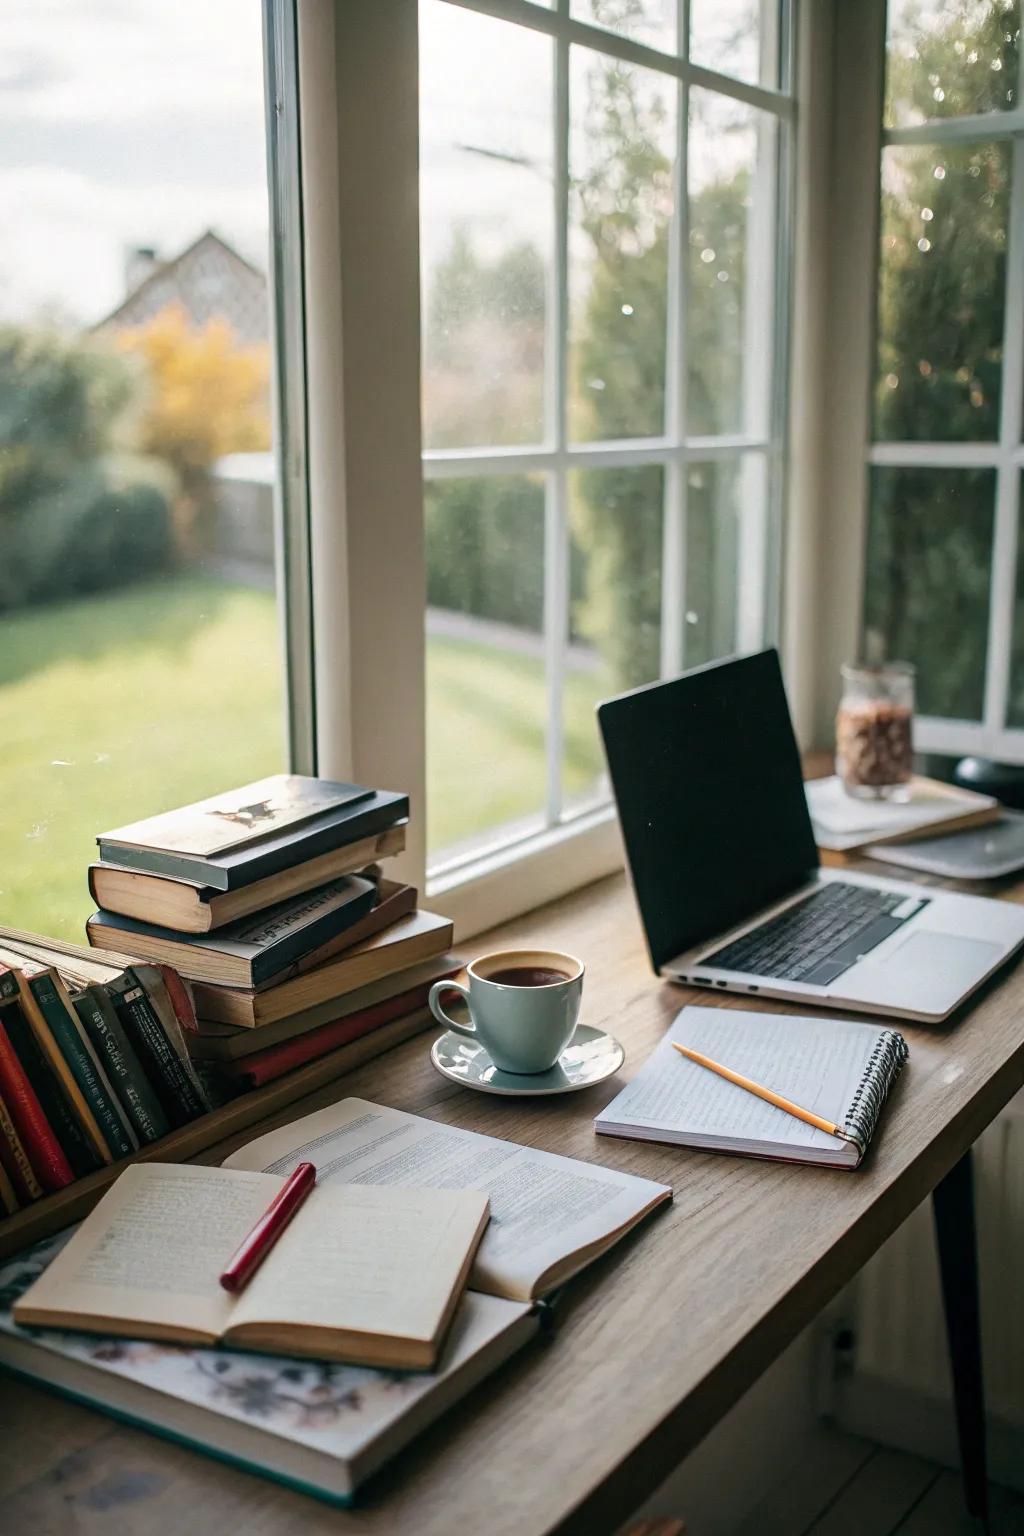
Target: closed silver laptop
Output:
[(708, 783)]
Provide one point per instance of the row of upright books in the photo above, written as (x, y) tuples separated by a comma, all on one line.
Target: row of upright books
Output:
[(93, 1064), (272, 902)]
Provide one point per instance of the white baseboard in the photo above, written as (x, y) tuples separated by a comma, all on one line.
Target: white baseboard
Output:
[(881, 1410)]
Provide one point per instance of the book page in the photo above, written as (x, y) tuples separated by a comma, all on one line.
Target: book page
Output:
[(151, 1253), (367, 1260), (544, 1208), (817, 1063)]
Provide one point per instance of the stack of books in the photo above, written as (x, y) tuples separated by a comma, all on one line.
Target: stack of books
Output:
[(271, 901), (93, 1064)]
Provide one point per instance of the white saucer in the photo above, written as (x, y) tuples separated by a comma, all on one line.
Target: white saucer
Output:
[(591, 1056)]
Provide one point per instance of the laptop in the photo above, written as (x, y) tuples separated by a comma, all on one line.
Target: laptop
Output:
[(707, 777)]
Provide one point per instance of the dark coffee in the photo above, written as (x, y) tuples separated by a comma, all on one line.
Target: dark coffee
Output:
[(527, 976)]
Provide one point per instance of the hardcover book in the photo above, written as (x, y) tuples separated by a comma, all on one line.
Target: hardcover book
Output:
[(370, 1275), (317, 1427), (228, 1042), (272, 843), (325, 1428), (416, 937), (192, 907), (251, 951), (237, 818)]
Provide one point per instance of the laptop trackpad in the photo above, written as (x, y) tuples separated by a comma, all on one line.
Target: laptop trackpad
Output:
[(944, 957)]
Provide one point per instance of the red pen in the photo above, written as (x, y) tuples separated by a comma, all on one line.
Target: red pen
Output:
[(255, 1246)]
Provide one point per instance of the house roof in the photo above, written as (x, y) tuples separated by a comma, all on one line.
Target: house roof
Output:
[(210, 280)]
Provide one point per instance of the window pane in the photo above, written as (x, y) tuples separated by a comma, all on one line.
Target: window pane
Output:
[(737, 37), (941, 292), (926, 599), (486, 697), (712, 558), (732, 159), (648, 21), (615, 606), (621, 156), (486, 219), (139, 645), (947, 58)]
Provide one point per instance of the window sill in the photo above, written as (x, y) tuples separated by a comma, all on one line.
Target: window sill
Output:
[(506, 882)]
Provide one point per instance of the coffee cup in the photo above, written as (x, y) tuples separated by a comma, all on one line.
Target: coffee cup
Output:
[(524, 1005)]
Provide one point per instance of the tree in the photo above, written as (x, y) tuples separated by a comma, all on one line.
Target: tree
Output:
[(207, 395), (76, 512)]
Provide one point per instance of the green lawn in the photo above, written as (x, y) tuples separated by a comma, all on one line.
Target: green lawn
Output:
[(119, 705)]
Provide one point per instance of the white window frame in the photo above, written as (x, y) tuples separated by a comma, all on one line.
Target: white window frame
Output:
[(990, 736), (860, 139), (358, 102)]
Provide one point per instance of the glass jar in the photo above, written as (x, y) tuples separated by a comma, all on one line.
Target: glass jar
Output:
[(874, 731)]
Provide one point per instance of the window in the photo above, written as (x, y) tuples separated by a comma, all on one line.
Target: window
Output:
[(604, 240), (140, 634), (941, 585)]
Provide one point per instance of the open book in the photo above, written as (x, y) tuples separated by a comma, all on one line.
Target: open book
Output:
[(550, 1215), (325, 1428), (366, 1275), (319, 1427), (837, 1069)]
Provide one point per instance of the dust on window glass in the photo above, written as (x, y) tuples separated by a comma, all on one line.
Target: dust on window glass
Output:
[(731, 263), (950, 58), (926, 581), (621, 155), (487, 211), (486, 690), (941, 292), (616, 522)]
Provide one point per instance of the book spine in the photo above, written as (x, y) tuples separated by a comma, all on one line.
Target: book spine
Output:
[(46, 1155), (49, 1090), (114, 1140), (140, 1104), (173, 1087), (180, 998), (150, 978), (15, 1159), (10, 1205), (43, 1010), (264, 1066)]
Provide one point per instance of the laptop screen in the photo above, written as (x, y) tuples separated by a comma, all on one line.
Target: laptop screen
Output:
[(707, 777)]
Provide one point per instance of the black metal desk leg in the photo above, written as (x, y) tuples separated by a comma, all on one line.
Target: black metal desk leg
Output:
[(953, 1205)]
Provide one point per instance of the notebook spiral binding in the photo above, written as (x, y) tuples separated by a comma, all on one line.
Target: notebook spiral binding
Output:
[(883, 1068)]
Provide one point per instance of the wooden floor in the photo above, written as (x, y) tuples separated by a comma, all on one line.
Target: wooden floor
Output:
[(850, 1487)]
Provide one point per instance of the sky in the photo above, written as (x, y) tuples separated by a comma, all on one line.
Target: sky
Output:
[(130, 123), (123, 123)]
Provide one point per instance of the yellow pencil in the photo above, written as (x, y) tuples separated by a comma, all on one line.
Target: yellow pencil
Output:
[(762, 1093)]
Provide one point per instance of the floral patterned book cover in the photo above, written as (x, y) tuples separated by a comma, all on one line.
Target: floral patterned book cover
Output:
[(320, 1426)]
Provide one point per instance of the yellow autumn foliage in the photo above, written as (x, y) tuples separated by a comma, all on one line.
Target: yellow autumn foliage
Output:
[(208, 395)]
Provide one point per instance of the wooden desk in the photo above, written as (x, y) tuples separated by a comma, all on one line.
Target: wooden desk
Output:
[(655, 1342)]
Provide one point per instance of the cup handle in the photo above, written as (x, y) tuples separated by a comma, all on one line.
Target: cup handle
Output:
[(439, 1014)]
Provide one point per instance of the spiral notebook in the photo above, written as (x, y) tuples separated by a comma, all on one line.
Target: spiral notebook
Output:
[(838, 1069)]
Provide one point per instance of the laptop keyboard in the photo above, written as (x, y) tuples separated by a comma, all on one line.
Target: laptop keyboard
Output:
[(819, 938)]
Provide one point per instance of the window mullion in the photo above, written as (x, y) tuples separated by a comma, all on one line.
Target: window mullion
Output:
[(287, 290), (673, 552), (1004, 543), (556, 510)]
